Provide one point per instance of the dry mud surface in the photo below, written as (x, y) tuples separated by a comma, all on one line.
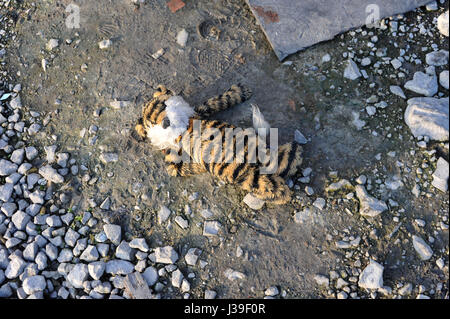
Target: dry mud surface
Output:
[(81, 80)]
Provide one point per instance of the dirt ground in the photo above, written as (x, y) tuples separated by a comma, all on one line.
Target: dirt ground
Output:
[(81, 80)]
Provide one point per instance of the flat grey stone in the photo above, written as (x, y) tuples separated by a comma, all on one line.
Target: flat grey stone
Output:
[(372, 276), (139, 243), (34, 284), (423, 84), (78, 275), (292, 25), (422, 248), (119, 267), (369, 206), (428, 117), (397, 91), (150, 275), (253, 202), (437, 58), (166, 255), (113, 233), (51, 174), (7, 167), (211, 228), (192, 256)]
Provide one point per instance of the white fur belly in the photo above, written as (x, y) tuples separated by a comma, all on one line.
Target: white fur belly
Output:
[(178, 112)]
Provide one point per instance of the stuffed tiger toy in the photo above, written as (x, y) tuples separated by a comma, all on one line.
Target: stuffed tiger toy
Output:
[(169, 122)]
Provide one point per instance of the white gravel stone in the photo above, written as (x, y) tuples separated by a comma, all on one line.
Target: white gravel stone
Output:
[(369, 206), (7, 167), (52, 44), (428, 117), (96, 269), (105, 44), (343, 183), (119, 267), (34, 284), (192, 256), (351, 71), (113, 233), (397, 91), (109, 158), (16, 103), (17, 156), (182, 37), (90, 254), (444, 79), (15, 267), (423, 84), (6, 191), (322, 280), (211, 228), (183, 223), (163, 214), (396, 64), (150, 275), (139, 243), (9, 209), (20, 219), (422, 248), (441, 175), (31, 153), (51, 174), (71, 237), (442, 23), (253, 202), (300, 138), (372, 276), (232, 275), (166, 255), (271, 291), (125, 252), (320, 203), (106, 204), (78, 275), (437, 58), (177, 278)]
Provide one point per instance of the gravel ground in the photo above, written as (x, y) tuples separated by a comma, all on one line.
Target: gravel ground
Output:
[(390, 239)]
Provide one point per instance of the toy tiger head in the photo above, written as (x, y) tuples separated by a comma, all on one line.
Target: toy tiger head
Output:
[(164, 118)]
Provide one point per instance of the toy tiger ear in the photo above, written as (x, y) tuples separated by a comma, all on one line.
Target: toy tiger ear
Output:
[(160, 90)]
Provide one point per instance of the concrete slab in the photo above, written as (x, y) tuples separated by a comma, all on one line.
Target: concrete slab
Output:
[(292, 25)]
